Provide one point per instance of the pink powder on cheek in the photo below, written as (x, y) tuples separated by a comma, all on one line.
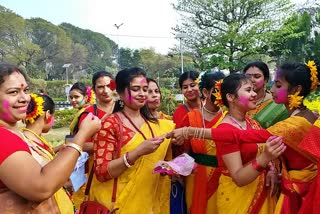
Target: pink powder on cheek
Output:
[(260, 83), (6, 114), (282, 96), (244, 101), (129, 98)]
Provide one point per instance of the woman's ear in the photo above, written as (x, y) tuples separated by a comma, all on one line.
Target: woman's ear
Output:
[(205, 93), (230, 97), (48, 116), (86, 98)]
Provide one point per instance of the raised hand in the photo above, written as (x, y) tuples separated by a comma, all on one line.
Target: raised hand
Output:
[(89, 126), (274, 147), (148, 146)]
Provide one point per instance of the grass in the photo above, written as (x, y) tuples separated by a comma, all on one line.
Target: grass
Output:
[(56, 136)]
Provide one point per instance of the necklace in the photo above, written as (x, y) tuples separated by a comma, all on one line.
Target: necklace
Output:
[(136, 128), (41, 139), (264, 96), (210, 112), (234, 121)]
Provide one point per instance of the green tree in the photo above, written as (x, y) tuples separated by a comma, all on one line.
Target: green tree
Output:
[(224, 33)]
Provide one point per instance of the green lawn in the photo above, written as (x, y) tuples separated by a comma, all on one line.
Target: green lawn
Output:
[(56, 136)]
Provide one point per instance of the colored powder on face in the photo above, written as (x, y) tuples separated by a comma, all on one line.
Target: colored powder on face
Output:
[(143, 80), (81, 102), (22, 85), (129, 98), (6, 114), (260, 83), (244, 101), (281, 96)]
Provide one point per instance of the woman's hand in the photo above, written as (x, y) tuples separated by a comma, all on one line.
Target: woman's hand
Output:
[(148, 146), (274, 147), (273, 180), (177, 137), (89, 126)]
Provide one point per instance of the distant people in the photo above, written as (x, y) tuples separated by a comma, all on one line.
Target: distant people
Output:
[(267, 112), (154, 100), (28, 186), (126, 149)]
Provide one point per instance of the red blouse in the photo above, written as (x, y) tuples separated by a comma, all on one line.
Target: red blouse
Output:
[(10, 144), (105, 145)]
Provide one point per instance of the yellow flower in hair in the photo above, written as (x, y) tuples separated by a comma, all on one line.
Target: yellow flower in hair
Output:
[(295, 100), (36, 106), (217, 93), (197, 80), (314, 75)]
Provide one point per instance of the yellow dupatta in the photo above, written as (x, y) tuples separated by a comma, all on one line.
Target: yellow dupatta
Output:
[(43, 157), (75, 120), (138, 190)]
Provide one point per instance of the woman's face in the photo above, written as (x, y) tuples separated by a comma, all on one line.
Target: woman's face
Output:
[(257, 78), (14, 98), (246, 96), (153, 96), (138, 95), (190, 90), (77, 100), (279, 90), (102, 89)]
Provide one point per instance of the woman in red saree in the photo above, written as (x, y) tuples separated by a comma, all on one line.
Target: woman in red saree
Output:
[(293, 81)]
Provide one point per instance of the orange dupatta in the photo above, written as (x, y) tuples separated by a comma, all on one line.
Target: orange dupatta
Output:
[(199, 200)]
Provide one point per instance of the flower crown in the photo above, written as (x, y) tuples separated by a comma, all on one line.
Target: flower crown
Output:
[(314, 75), (91, 95), (217, 93), (36, 107)]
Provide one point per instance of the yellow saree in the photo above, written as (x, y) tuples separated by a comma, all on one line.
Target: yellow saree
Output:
[(138, 190)]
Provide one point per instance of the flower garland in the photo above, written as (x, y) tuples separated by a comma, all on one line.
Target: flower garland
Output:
[(314, 75), (217, 93), (36, 103), (91, 95)]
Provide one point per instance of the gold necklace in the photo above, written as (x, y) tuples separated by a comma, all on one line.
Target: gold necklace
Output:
[(210, 112), (41, 139)]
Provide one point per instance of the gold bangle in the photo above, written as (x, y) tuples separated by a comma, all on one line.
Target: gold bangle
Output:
[(75, 146)]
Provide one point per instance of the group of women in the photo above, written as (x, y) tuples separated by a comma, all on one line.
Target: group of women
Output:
[(240, 135)]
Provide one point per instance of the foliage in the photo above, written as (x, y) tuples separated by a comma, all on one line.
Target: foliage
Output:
[(223, 33), (63, 117), (37, 84), (56, 88), (168, 102)]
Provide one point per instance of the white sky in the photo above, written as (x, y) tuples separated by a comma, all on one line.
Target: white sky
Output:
[(146, 23)]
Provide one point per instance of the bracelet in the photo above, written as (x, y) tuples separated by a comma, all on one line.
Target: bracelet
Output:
[(257, 166), (75, 146), (125, 160)]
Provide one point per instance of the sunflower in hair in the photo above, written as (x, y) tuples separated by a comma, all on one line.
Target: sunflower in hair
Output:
[(35, 108)]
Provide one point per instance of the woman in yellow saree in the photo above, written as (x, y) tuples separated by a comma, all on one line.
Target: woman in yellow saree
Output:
[(142, 146)]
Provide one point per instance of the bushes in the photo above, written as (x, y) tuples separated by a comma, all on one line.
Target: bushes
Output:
[(64, 117)]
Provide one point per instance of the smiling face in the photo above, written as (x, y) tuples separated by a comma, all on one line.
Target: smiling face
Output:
[(137, 97), (279, 90), (77, 99), (190, 90), (153, 96), (14, 98), (257, 78), (246, 96)]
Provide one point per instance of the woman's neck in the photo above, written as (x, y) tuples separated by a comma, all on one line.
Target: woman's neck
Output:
[(106, 107), (154, 112), (12, 126), (237, 114), (36, 128), (194, 104), (132, 113), (261, 95)]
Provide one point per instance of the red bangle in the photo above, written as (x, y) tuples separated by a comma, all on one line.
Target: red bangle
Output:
[(127, 157), (257, 166)]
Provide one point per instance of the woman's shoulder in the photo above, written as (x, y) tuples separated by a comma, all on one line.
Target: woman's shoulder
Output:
[(10, 144)]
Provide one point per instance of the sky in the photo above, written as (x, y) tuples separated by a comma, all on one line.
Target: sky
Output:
[(146, 23)]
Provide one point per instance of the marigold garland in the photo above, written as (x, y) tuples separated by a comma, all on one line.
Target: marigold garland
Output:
[(295, 100), (217, 93), (37, 109), (314, 75)]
